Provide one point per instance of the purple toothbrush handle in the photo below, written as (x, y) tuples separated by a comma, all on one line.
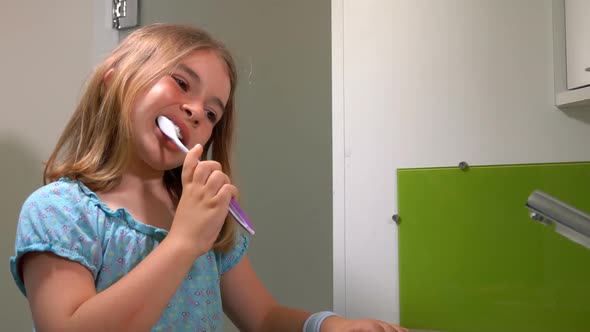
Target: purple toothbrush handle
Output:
[(240, 216)]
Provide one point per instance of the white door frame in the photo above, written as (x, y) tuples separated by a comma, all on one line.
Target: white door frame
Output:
[(338, 160)]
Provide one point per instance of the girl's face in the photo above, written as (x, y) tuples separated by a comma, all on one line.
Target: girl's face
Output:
[(193, 97)]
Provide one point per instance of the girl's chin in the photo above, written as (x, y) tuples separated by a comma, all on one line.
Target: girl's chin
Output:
[(163, 164), (167, 166)]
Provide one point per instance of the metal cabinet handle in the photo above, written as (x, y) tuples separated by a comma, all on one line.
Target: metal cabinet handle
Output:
[(588, 69)]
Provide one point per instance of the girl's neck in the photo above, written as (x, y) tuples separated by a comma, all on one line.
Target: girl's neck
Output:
[(131, 182), (137, 180), (144, 195), (137, 176)]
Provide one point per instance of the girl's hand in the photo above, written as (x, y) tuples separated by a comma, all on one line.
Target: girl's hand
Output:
[(203, 207), (339, 324)]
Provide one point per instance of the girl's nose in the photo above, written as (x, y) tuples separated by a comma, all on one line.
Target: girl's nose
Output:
[(194, 112)]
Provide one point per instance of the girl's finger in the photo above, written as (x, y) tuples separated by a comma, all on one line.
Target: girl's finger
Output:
[(190, 163), (391, 327), (204, 169), (226, 192), (215, 181), (397, 328)]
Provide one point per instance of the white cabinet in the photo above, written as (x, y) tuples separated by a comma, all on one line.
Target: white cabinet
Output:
[(577, 43), (571, 53)]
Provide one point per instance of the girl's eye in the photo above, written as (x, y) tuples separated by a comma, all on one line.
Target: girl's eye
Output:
[(211, 116), (182, 84)]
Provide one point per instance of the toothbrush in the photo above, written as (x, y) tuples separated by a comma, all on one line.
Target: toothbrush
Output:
[(170, 130)]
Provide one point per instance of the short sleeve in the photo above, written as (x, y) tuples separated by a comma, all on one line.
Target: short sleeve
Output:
[(228, 260), (57, 219)]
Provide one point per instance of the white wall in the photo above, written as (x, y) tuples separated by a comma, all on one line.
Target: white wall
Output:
[(39, 88), (431, 83)]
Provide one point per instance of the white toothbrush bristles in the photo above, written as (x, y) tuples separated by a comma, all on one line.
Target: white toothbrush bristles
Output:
[(178, 133)]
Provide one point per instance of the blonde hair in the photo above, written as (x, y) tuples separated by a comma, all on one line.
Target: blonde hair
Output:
[(94, 147)]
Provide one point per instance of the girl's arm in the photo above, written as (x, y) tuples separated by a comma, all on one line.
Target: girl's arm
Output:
[(252, 309), (62, 293)]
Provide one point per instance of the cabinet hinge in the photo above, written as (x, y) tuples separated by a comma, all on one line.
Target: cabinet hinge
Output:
[(125, 14)]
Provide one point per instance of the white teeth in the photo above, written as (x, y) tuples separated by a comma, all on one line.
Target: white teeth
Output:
[(178, 133)]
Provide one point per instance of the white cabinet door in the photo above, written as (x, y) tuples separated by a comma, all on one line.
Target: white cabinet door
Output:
[(577, 39)]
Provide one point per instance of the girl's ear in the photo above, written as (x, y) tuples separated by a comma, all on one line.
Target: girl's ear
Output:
[(107, 77)]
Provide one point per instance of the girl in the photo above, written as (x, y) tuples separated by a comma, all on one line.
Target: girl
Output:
[(131, 234)]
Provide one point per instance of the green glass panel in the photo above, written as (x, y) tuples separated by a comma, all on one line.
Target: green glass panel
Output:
[(471, 259)]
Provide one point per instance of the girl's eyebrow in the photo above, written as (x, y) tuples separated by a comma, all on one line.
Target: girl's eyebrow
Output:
[(197, 78), (219, 104), (189, 72)]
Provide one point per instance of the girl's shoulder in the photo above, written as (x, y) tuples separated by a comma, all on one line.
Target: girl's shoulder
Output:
[(60, 218), (64, 199), (66, 194), (62, 191)]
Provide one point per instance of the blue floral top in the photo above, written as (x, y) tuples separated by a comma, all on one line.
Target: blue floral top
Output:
[(66, 218)]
